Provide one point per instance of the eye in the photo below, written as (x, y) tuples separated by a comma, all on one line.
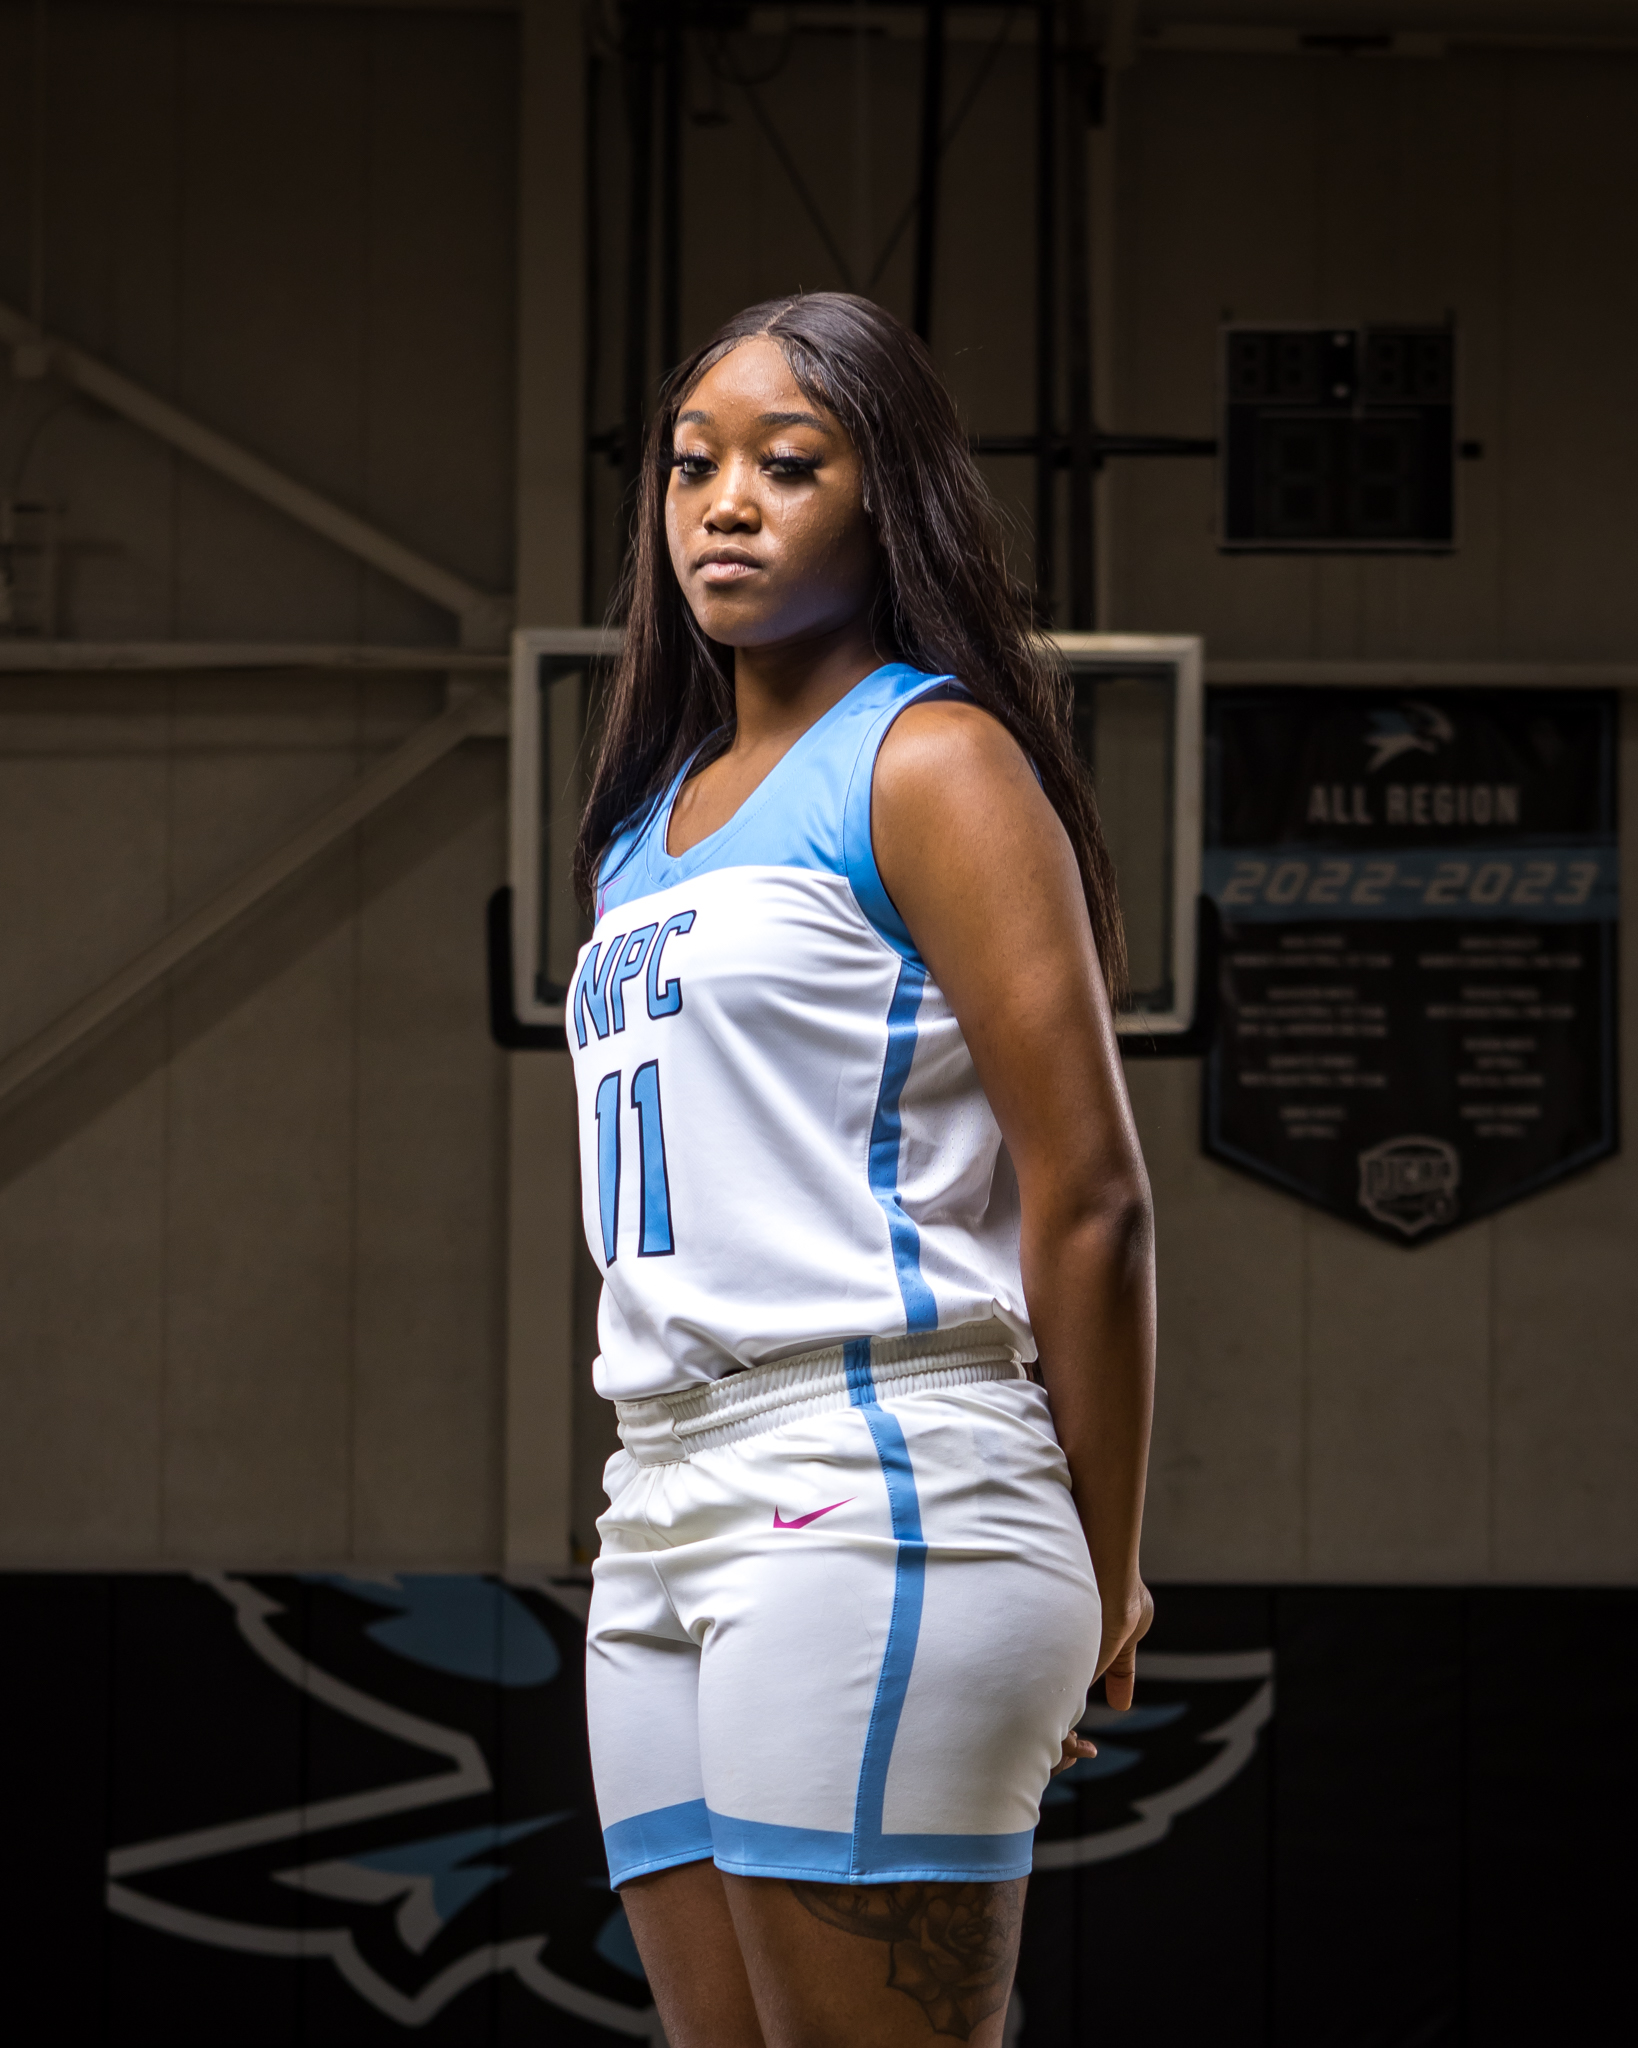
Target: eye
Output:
[(792, 465), (691, 466)]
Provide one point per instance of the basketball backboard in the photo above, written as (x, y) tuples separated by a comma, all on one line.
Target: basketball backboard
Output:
[(1137, 724)]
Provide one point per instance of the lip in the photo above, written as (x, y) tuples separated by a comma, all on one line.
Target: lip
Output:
[(725, 566)]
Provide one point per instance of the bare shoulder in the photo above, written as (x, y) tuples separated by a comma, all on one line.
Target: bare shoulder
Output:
[(962, 829), (932, 750)]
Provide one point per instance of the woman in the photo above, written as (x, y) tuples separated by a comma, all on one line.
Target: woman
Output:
[(856, 1151)]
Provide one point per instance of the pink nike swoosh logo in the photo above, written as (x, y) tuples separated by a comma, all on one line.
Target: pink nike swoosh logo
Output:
[(802, 1521)]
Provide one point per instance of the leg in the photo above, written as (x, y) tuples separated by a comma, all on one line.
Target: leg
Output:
[(689, 1948), (880, 1696), (642, 1686), (878, 1966)]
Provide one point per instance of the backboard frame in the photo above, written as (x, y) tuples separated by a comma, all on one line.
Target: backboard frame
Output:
[(1183, 655), (530, 646)]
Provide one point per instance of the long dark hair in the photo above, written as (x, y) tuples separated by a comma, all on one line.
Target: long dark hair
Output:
[(945, 601)]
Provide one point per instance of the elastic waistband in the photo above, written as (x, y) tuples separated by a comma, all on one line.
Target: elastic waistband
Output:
[(667, 1428)]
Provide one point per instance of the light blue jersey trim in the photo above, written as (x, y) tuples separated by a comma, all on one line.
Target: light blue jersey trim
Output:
[(811, 811), (657, 1840), (858, 846), (886, 1138), (624, 847)]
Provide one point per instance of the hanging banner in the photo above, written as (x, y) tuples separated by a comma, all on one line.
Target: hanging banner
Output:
[(1417, 990)]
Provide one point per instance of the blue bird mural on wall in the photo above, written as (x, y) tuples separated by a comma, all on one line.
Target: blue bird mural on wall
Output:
[(440, 1833)]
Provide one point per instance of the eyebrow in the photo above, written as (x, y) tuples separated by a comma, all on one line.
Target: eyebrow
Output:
[(764, 419)]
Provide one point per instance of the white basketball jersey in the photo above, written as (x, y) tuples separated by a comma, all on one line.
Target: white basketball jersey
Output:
[(783, 1141)]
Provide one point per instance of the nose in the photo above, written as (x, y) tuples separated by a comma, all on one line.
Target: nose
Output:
[(733, 507)]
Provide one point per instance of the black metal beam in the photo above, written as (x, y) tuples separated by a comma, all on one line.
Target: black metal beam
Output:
[(1083, 600), (639, 82), (1046, 303), (932, 131), (671, 193), (1154, 444), (592, 332), (1060, 446)]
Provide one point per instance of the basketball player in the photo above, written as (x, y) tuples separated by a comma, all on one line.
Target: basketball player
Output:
[(857, 1155)]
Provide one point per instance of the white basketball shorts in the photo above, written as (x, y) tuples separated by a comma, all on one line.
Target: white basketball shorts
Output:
[(843, 1618)]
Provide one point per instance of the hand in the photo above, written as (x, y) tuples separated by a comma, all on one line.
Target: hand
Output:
[(1125, 1624), (1075, 1747), (1124, 1627)]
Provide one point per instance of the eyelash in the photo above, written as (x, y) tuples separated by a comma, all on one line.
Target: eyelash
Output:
[(693, 466)]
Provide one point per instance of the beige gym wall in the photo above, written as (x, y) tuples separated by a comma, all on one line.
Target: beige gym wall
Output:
[(254, 1249), (1333, 1407), (252, 1244)]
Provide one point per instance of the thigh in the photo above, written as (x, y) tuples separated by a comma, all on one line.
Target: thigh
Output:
[(690, 1950), (878, 1966)]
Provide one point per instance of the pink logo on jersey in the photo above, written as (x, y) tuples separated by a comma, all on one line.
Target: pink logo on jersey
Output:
[(802, 1521)]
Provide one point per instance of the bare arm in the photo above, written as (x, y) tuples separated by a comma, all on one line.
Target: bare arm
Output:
[(989, 889)]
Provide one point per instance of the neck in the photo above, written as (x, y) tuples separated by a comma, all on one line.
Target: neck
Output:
[(780, 691)]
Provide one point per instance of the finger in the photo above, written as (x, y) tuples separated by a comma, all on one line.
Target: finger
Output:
[(1119, 1678)]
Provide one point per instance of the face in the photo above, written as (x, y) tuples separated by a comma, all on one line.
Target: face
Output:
[(765, 508)]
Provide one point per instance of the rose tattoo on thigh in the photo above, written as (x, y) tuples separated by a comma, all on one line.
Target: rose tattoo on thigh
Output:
[(951, 1947)]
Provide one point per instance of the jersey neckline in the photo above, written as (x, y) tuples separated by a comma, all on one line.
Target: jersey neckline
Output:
[(666, 867)]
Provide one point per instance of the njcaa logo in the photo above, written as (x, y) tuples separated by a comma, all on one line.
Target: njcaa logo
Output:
[(1410, 1183)]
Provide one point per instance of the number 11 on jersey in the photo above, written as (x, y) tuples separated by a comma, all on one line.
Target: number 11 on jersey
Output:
[(654, 1238)]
